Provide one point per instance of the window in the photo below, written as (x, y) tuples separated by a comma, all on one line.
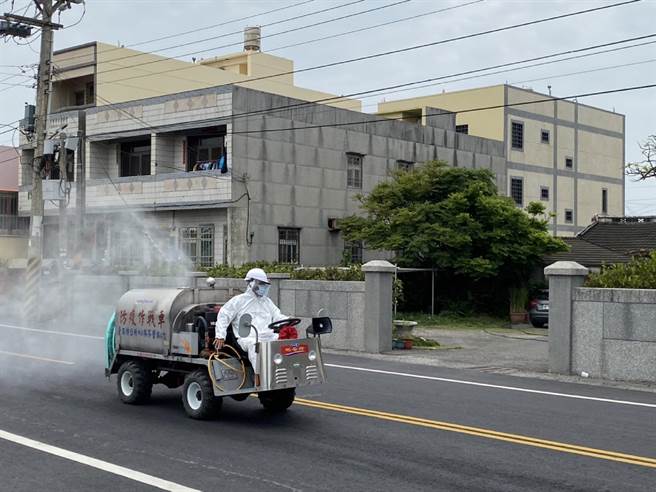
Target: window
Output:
[(203, 152), (405, 165), (517, 135), (569, 216), (135, 158), (544, 193), (569, 162), (288, 245), (544, 136), (353, 252), (462, 129), (9, 203), (604, 201), (197, 243), (354, 170), (127, 248), (517, 190)]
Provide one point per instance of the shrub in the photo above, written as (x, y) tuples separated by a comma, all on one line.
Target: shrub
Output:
[(296, 273), (639, 273)]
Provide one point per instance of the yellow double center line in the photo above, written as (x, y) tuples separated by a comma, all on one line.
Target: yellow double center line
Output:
[(487, 433)]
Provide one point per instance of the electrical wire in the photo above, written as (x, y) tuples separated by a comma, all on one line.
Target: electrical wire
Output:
[(384, 24), (365, 57), (271, 110), (549, 99), (308, 14), (233, 117), (84, 11)]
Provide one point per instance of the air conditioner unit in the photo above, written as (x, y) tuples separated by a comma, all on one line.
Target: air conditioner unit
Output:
[(333, 224)]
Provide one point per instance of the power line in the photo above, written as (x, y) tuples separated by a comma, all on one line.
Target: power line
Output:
[(389, 120), (549, 99), (308, 14), (459, 74), (520, 68), (389, 23), (380, 54), (335, 19), (593, 70), (396, 86)]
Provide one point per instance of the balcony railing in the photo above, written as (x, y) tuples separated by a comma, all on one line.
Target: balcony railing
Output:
[(13, 225)]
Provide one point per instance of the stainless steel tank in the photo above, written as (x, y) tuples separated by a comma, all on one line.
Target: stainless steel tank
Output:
[(144, 318)]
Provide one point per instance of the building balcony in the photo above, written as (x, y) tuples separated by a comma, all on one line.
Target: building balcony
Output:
[(170, 191), (163, 191)]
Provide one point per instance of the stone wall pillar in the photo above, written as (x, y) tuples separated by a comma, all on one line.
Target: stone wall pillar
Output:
[(378, 279), (564, 277)]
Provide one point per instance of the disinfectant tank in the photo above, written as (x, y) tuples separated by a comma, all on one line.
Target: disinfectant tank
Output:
[(144, 318)]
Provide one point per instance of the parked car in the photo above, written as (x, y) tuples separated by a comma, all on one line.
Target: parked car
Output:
[(538, 309)]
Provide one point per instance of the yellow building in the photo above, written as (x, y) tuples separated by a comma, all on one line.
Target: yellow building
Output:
[(97, 74), (566, 154)]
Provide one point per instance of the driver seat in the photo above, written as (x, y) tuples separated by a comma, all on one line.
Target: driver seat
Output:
[(231, 340)]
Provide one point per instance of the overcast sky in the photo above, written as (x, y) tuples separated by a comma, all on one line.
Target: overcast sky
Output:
[(134, 21)]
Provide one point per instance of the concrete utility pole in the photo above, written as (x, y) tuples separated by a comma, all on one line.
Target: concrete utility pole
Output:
[(44, 82)]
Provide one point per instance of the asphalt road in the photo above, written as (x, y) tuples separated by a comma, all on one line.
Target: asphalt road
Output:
[(376, 425)]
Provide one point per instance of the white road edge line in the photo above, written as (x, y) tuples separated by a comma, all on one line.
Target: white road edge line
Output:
[(44, 359), (51, 332), (95, 463), (495, 386)]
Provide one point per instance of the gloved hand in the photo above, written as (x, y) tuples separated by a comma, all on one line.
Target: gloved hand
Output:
[(218, 343)]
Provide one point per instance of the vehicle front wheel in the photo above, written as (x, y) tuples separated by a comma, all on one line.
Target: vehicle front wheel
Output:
[(135, 382), (198, 396), (277, 400)]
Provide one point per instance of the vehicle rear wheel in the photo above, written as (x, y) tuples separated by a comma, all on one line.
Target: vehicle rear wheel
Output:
[(198, 396), (135, 382), (537, 324), (277, 400)]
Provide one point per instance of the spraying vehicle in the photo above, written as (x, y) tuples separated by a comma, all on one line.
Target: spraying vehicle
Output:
[(164, 336)]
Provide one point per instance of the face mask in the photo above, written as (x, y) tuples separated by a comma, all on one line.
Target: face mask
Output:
[(260, 290)]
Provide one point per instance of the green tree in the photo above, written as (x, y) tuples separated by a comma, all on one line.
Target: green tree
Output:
[(454, 220)]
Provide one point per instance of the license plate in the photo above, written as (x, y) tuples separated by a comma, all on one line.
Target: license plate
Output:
[(543, 308)]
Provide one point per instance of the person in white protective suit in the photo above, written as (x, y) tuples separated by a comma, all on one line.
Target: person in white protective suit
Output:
[(256, 303)]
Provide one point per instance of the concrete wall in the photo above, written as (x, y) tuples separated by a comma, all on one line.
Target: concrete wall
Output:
[(361, 311), (614, 333), (603, 333), (344, 302)]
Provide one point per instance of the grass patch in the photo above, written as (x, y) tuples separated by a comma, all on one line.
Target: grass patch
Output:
[(456, 322)]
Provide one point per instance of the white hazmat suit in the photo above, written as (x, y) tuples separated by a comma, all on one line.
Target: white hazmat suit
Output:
[(263, 311)]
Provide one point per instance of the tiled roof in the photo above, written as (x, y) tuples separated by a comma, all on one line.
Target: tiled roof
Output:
[(587, 254), (626, 236)]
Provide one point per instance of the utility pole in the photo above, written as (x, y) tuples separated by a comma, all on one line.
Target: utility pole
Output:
[(44, 83)]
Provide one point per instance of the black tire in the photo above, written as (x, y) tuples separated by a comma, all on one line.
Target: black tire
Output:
[(277, 400), (537, 324), (198, 397), (135, 382)]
